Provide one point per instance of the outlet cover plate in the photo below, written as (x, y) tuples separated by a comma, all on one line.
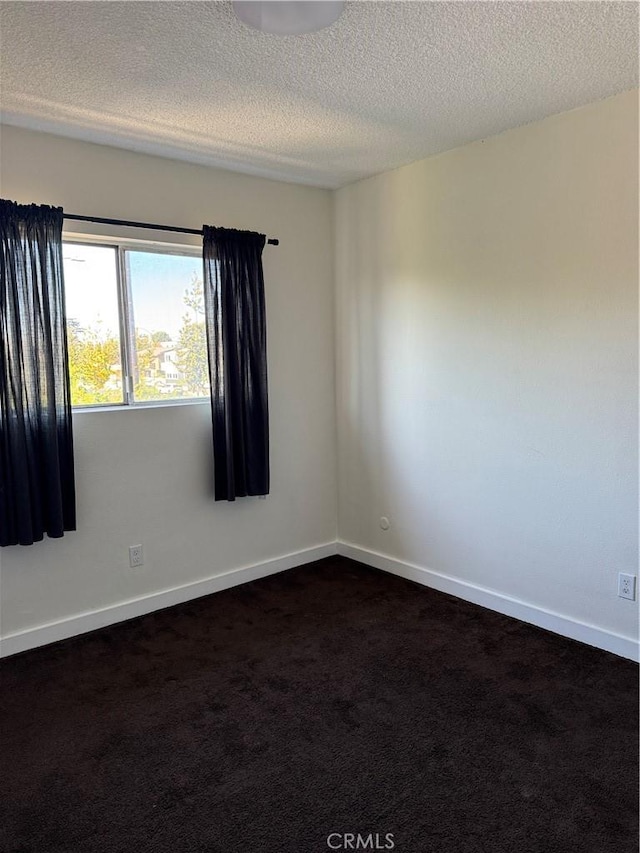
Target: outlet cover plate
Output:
[(627, 586), (136, 557)]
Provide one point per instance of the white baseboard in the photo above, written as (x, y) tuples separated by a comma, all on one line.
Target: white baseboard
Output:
[(41, 635), (625, 647)]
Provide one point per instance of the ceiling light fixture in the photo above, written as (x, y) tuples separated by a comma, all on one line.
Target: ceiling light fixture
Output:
[(288, 18)]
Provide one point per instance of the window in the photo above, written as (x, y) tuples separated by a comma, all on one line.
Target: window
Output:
[(135, 324)]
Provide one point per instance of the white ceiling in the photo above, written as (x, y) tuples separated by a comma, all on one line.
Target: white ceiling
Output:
[(388, 84)]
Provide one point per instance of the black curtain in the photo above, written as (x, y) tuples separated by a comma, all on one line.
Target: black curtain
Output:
[(237, 342), (37, 491)]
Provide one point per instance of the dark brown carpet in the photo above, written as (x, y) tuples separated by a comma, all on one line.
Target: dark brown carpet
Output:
[(329, 699)]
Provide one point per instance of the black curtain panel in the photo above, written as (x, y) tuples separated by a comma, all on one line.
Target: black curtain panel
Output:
[(37, 491), (237, 342)]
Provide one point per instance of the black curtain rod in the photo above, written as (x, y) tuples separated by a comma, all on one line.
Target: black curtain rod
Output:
[(271, 241)]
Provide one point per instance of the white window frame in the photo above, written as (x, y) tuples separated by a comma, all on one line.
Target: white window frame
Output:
[(125, 314)]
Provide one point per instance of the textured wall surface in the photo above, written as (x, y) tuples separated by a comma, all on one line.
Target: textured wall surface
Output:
[(146, 475), (390, 83), (487, 374), (487, 304)]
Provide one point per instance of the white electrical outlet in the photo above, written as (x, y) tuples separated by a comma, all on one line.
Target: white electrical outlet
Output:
[(135, 556), (627, 586)]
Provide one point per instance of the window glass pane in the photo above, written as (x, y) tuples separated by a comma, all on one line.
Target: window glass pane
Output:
[(169, 336), (93, 329)]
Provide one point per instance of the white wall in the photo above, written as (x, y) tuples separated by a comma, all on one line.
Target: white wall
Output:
[(487, 376), (487, 315), (146, 475)]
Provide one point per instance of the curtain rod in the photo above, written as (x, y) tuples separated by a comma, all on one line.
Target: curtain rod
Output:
[(272, 241)]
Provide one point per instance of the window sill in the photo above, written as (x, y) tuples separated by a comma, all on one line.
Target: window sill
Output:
[(136, 407)]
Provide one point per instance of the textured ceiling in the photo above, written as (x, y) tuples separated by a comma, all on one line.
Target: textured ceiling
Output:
[(388, 84)]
